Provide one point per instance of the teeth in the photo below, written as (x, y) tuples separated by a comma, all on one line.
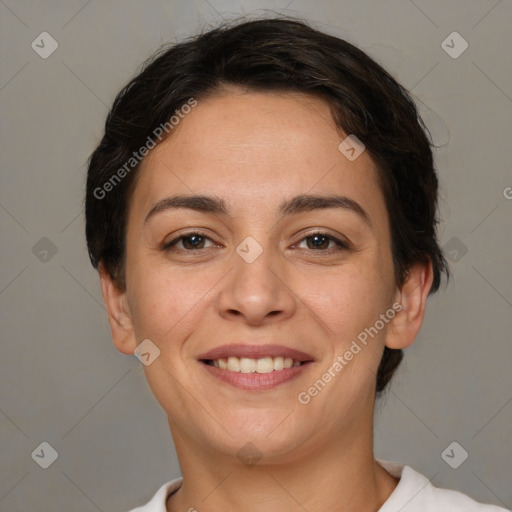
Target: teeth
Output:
[(234, 364), (248, 365), (278, 363), (262, 365)]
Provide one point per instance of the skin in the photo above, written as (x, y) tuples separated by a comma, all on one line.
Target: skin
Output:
[(255, 150)]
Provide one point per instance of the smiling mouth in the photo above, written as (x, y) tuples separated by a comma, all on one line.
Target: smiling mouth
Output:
[(249, 365)]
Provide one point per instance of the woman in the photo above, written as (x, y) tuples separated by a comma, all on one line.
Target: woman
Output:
[(262, 213)]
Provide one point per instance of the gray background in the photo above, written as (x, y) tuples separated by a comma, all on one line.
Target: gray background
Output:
[(63, 382)]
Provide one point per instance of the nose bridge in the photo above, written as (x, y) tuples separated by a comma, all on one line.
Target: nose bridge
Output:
[(256, 289), (255, 264)]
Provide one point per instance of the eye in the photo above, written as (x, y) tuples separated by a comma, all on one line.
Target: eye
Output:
[(192, 241), (320, 242)]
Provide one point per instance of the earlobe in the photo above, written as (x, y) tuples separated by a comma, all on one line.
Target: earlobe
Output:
[(119, 314), (412, 297)]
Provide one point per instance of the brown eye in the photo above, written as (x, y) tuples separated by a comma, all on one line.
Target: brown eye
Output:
[(321, 242), (192, 241)]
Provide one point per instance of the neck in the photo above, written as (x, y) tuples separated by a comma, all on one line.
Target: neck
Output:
[(334, 476)]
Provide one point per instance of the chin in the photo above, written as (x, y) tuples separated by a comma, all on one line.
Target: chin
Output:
[(258, 436)]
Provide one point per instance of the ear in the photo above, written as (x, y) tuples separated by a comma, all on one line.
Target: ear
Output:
[(119, 315), (412, 296)]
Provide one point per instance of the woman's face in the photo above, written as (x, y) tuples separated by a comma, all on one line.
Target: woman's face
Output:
[(257, 275)]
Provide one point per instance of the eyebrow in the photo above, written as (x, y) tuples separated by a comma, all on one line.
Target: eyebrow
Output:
[(298, 204)]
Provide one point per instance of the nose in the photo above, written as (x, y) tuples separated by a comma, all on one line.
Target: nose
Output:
[(257, 292)]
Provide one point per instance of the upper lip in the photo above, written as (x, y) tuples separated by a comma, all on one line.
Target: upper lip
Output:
[(254, 352)]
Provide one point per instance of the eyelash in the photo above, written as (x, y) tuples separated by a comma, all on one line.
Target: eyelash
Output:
[(342, 246)]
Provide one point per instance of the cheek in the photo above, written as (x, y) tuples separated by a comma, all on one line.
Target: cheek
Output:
[(164, 300), (351, 297)]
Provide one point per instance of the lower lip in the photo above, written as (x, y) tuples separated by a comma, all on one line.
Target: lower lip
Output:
[(256, 381)]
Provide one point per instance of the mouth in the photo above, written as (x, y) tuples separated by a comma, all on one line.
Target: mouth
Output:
[(255, 367)]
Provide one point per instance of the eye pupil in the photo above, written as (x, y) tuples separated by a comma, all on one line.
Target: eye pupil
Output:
[(316, 238), (198, 239)]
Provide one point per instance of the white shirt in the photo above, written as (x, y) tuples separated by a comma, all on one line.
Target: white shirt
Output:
[(414, 493)]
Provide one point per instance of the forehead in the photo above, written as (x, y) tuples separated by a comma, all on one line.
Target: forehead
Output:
[(254, 149)]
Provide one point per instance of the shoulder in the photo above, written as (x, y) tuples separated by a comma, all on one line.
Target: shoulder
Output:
[(158, 501), (437, 498), (415, 493)]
